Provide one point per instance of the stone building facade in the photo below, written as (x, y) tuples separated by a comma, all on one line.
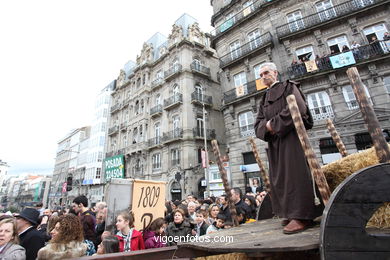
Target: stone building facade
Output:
[(156, 119), (305, 39)]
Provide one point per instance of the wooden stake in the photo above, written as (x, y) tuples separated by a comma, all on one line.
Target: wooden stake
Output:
[(222, 172), (336, 138), (381, 147), (263, 172), (316, 170)]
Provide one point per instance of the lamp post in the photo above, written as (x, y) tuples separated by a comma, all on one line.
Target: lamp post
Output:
[(206, 174)]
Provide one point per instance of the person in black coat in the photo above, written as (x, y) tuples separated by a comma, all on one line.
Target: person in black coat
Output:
[(30, 238)]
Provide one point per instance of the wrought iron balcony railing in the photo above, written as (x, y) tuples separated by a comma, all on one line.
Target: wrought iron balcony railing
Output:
[(199, 133), (199, 98), (360, 54), (246, 49), (200, 68), (247, 130), (155, 141), (173, 135), (156, 110), (240, 16), (113, 130), (172, 71), (323, 16), (231, 95), (115, 107), (157, 82), (173, 100), (321, 113)]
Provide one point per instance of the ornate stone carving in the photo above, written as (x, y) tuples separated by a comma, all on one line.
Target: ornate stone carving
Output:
[(146, 54), (176, 35), (353, 24), (232, 112), (194, 33), (373, 72), (121, 78), (286, 44)]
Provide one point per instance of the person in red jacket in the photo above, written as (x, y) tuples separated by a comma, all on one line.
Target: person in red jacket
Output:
[(129, 238)]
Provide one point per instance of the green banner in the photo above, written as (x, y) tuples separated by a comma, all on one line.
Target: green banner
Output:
[(114, 167)]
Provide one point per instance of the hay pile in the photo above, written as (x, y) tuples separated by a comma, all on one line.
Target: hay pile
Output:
[(336, 172)]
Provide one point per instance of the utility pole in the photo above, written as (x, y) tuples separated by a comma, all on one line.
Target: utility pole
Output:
[(206, 172)]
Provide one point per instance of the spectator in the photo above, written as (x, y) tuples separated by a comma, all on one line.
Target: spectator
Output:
[(42, 227), (101, 216), (355, 45), (180, 227), (217, 225), (375, 46), (153, 235), (224, 209), (251, 202), (386, 36), (67, 240), (30, 238), (40, 208), (9, 241), (129, 238), (191, 211), (201, 225), (213, 213), (110, 244), (345, 48), (239, 203), (88, 221)]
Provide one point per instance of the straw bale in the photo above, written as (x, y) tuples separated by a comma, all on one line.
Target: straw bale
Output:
[(336, 172)]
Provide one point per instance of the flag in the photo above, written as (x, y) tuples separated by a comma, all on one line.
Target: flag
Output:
[(205, 159), (311, 65), (342, 59), (240, 90), (64, 187), (260, 84)]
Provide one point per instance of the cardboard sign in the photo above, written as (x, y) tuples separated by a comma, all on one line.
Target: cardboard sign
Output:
[(148, 202), (311, 65), (241, 91), (260, 85)]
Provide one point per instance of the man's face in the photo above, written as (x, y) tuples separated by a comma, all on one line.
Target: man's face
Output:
[(199, 218), (190, 198), (268, 75), (191, 208), (76, 207), (219, 223), (222, 200), (235, 196)]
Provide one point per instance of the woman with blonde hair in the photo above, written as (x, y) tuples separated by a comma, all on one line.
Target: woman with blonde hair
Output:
[(9, 241), (129, 238), (66, 240), (213, 213)]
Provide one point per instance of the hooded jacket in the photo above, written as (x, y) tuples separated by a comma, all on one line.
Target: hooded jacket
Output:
[(153, 240)]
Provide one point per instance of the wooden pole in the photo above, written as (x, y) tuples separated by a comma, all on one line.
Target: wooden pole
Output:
[(316, 170), (381, 147), (222, 171), (336, 138), (263, 172)]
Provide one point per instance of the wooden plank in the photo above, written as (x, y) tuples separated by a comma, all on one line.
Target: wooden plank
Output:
[(263, 172), (336, 138)]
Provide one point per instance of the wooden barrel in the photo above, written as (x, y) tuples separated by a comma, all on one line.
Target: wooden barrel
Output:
[(343, 227)]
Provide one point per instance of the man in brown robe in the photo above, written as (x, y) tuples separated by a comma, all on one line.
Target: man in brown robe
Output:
[(291, 182)]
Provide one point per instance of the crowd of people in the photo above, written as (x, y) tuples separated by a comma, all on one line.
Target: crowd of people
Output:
[(75, 231)]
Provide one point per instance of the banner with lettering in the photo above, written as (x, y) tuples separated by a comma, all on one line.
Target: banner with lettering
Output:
[(342, 60), (260, 84), (226, 25), (148, 202), (311, 65), (114, 167)]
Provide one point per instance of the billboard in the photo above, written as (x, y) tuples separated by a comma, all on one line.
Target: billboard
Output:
[(114, 167)]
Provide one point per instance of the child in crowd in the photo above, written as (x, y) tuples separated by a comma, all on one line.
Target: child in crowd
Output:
[(201, 225), (153, 235), (217, 225), (110, 244)]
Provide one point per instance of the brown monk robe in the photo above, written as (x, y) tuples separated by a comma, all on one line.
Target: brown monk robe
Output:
[(291, 182)]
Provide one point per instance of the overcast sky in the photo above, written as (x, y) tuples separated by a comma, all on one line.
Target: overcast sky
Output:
[(56, 56)]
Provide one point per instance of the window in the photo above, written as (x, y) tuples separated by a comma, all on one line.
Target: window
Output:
[(305, 53), (159, 74), (329, 151), (295, 21), (175, 157), (230, 16), (325, 10), (239, 79), (320, 106), (199, 92), (350, 97), (235, 50), (199, 126), (246, 122), (98, 173), (254, 39), (156, 161), (336, 44), (157, 134), (136, 107), (377, 30), (124, 138), (256, 70), (157, 100), (196, 63), (135, 135), (386, 82), (362, 3), (176, 90), (176, 124)]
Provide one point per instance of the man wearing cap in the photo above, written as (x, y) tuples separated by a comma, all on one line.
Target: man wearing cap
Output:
[(30, 238)]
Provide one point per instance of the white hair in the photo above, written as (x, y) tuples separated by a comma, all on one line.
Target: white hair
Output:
[(270, 65), (191, 203)]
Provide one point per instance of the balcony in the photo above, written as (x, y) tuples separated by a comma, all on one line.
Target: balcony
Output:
[(173, 101), (199, 133), (157, 83), (197, 98), (174, 135), (123, 127), (109, 154), (259, 43), (321, 113), (155, 141), (247, 130), (113, 130), (338, 11), (121, 151), (115, 107), (172, 71), (156, 110), (126, 102), (200, 69), (353, 104), (360, 55), (241, 16), (231, 95)]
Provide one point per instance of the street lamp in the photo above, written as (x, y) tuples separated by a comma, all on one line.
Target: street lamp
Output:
[(206, 175)]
